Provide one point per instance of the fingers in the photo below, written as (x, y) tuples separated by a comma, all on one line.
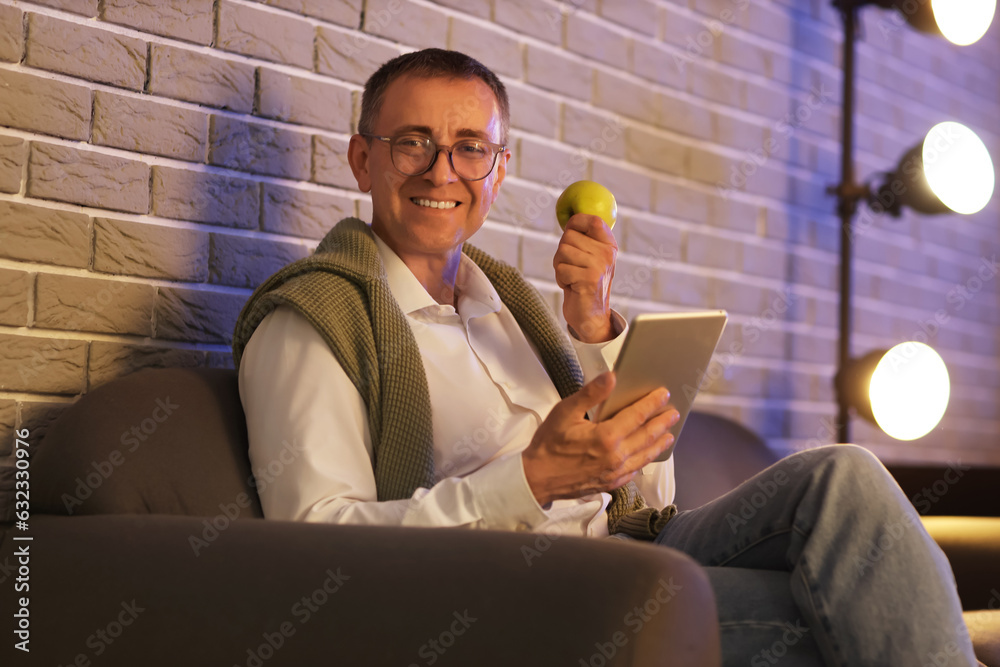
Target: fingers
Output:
[(590, 396), (591, 226)]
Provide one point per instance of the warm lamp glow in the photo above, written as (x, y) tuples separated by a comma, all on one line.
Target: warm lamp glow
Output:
[(958, 167), (909, 391), (963, 22)]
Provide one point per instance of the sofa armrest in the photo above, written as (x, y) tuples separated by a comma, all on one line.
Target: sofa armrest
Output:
[(165, 590), (972, 545)]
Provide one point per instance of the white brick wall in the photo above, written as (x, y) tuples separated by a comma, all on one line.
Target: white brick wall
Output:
[(147, 149)]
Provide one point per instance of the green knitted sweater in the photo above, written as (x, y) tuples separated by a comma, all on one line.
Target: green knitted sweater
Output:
[(343, 291)]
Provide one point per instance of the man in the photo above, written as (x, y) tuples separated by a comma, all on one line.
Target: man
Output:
[(401, 381)]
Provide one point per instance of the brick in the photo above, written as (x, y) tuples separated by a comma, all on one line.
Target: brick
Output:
[(13, 155), (268, 35), (197, 315), (713, 251), (202, 78), (111, 360), (304, 101), (8, 420), (737, 296), (554, 71), (634, 278), (34, 103), (330, 165), (500, 52), (215, 199), (679, 202), (37, 417), (86, 52), (549, 163), (532, 111), (406, 23), (344, 12), (189, 20), (153, 251), (598, 133), (639, 15), (656, 151), (35, 234), (86, 8), (660, 242), (11, 34), (259, 148), (626, 97), (88, 178), (735, 132), (74, 303), (480, 8), (760, 260), (592, 38), (682, 289), (525, 205), (350, 55), (684, 115), (536, 257), (239, 261), (15, 287), (147, 126), (708, 166), (306, 213), (631, 188), (537, 18), (655, 63), (42, 365), (712, 83), (500, 243)]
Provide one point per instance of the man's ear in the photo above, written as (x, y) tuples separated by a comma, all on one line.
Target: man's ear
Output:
[(358, 152), (501, 173)]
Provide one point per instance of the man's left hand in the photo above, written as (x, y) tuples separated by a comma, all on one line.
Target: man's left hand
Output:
[(585, 265)]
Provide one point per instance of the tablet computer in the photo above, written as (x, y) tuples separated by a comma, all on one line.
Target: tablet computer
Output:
[(671, 350)]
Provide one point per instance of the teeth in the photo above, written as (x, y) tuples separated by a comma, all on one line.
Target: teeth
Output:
[(434, 204)]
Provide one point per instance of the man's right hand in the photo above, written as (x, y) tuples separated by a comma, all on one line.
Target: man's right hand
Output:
[(570, 457)]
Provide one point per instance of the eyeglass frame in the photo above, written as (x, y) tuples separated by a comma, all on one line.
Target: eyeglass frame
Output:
[(497, 149)]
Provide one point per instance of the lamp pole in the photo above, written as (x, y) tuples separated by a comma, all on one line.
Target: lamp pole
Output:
[(848, 194)]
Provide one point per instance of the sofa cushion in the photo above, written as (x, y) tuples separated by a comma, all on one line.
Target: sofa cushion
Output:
[(159, 441)]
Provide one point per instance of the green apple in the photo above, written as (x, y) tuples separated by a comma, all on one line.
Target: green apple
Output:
[(586, 197)]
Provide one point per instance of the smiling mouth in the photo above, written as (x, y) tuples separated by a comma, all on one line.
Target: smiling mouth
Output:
[(430, 203)]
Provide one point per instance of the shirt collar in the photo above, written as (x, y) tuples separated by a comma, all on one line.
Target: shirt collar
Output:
[(476, 295)]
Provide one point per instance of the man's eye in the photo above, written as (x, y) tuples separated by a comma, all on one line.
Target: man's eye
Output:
[(473, 149), (411, 142)]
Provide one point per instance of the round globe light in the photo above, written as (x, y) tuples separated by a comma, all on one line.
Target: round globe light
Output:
[(958, 167), (963, 22), (909, 391)]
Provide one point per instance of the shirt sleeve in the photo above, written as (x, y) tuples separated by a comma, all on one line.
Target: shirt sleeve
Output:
[(656, 480), (311, 451)]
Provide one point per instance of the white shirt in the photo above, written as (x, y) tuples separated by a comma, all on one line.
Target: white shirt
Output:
[(311, 450)]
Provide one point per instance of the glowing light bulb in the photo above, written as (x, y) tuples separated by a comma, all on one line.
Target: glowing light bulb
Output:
[(958, 167), (909, 391), (963, 22)]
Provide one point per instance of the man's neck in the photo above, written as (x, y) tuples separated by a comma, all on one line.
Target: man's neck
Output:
[(436, 273)]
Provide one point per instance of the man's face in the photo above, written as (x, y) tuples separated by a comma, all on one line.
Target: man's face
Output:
[(446, 110)]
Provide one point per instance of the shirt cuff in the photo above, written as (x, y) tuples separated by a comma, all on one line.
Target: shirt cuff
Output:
[(503, 497), (597, 358)]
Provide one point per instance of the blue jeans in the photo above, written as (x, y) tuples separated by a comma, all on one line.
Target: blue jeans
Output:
[(821, 560)]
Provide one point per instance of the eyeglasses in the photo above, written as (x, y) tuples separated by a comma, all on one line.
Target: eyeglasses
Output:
[(415, 154)]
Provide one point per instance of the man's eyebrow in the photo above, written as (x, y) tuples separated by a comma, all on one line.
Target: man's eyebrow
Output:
[(464, 133)]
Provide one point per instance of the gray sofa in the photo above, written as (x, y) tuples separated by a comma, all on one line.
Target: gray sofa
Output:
[(149, 548)]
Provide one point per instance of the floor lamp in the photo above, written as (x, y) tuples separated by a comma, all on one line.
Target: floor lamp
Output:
[(959, 178)]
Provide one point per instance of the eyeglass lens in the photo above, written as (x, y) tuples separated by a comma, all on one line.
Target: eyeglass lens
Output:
[(471, 159)]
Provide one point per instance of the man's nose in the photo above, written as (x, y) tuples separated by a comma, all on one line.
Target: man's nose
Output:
[(441, 170)]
